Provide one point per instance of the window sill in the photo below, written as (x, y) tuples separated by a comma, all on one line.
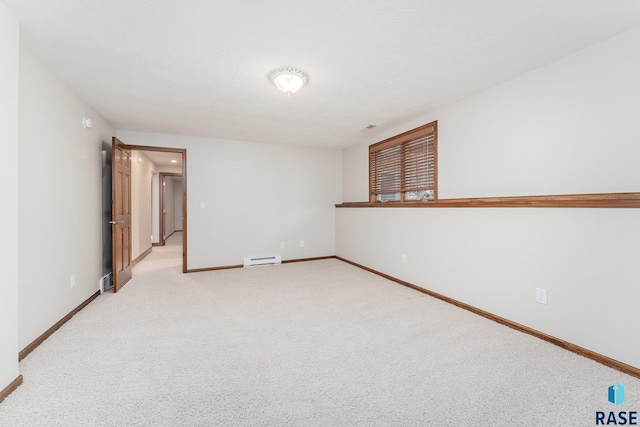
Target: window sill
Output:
[(602, 200)]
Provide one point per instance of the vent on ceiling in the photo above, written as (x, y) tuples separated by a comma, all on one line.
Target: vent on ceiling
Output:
[(269, 260), (369, 127)]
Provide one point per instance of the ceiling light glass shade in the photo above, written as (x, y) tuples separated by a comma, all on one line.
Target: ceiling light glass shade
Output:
[(289, 80)]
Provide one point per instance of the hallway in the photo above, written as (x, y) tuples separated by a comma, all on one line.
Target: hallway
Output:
[(162, 258)]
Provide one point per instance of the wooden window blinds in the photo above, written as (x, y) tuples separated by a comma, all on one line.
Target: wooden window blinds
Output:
[(404, 168)]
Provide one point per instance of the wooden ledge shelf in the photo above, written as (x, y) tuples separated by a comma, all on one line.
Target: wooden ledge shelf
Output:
[(602, 200)]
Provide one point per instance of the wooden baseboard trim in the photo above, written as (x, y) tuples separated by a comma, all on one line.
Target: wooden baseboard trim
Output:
[(222, 267), (141, 257), (155, 244), (13, 385), (29, 348), (318, 258), (229, 267), (597, 357)]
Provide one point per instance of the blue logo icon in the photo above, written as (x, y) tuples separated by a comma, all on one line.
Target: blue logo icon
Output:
[(616, 394)]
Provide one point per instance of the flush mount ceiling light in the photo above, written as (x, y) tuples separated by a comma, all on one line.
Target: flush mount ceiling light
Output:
[(288, 79)]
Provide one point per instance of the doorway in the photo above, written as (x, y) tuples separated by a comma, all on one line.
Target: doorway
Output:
[(154, 164), (147, 163), (170, 199)]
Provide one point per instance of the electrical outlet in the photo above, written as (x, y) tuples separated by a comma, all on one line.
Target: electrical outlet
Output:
[(403, 259), (281, 245), (302, 243), (73, 281), (541, 296)]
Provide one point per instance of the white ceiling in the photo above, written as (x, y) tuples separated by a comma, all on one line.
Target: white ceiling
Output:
[(162, 158), (199, 67)]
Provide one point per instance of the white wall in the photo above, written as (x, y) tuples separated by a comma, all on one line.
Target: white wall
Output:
[(177, 185), (9, 45), (142, 169), (60, 199), (255, 196), (568, 127)]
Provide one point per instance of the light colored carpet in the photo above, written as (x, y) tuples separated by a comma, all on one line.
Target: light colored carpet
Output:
[(307, 344)]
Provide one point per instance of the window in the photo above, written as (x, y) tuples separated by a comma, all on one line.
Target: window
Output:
[(404, 168)]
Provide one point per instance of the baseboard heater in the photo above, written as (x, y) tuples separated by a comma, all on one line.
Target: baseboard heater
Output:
[(269, 260)]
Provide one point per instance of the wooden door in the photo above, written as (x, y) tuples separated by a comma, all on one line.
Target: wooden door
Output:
[(121, 213)]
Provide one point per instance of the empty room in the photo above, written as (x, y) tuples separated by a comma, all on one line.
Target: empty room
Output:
[(329, 213)]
